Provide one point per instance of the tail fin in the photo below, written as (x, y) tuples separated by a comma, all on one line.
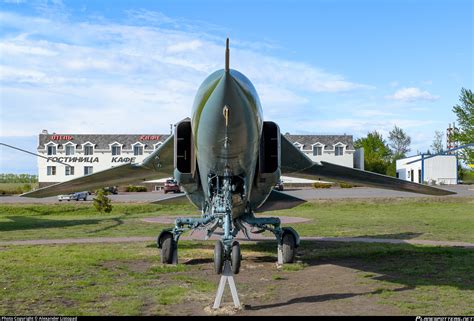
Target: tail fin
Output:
[(227, 55)]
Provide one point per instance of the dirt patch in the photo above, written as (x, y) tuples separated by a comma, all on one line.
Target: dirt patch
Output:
[(324, 289)]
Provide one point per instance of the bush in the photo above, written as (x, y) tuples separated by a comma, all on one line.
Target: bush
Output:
[(321, 185), (346, 185), (101, 202), (15, 188), (136, 188)]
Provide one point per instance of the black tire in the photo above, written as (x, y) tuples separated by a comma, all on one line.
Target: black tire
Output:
[(167, 248), (218, 257), (236, 258), (289, 248)]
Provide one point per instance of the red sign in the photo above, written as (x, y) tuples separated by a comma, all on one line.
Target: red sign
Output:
[(62, 137), (150, 137)]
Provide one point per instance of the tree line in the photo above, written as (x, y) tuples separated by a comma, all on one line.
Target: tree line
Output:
[(18, 178), (380, 156)]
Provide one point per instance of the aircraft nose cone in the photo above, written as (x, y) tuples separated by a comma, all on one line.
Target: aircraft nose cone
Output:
[(228, 122)]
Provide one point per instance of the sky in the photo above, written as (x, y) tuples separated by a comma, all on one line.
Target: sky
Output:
[(319, 67)]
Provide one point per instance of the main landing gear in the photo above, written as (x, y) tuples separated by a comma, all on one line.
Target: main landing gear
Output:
[(287, 240)]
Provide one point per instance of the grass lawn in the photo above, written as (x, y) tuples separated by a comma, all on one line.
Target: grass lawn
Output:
[(92, 279), (443, 219), (50, 221), (128, 278)]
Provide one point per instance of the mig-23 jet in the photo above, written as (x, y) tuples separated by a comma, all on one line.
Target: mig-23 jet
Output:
[(227, 159)]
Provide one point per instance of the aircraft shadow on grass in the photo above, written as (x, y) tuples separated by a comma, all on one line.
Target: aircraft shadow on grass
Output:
[(18, 223), (318, 298)]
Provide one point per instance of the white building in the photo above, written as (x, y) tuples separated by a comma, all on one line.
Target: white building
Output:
[(336, 149), (87, 154), (438, 169)]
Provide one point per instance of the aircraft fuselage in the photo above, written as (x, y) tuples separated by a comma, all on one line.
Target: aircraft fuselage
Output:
[(227, 125)]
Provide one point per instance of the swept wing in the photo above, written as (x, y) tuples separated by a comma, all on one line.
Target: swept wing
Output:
[(296, 164)]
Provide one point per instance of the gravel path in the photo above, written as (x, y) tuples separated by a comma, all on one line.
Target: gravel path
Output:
[(197, 236)]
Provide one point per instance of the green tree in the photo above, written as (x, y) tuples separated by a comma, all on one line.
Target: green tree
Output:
[(465, 119), (399, 145), (437, 145), (399, 142), (376, 152), (101, 202)]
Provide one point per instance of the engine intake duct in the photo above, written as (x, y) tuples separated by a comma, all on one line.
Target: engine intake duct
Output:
[(183, 147), (269, 160)]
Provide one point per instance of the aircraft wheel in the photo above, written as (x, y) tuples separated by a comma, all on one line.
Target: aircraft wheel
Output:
[(289, 248), (167, 248), (236, 258), (218, 257)]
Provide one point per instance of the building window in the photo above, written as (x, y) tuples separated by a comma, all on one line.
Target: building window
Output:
[(116, 150), (298, 145), (70, 150), (317, 150), (137, 150), (51, 150), (69, 170), (339, 150), (51, 170), (88, 150), (88, 170)]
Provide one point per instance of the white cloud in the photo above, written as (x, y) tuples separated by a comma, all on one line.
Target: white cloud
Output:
[(73, 76), (185, 46), (412, 94)]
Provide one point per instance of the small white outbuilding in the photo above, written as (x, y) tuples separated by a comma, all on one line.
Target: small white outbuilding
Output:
[(430, 169)]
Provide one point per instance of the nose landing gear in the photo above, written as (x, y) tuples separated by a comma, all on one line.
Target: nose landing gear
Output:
[(221, 257)]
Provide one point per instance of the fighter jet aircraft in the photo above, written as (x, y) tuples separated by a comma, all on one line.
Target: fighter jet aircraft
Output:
[(227, 160)]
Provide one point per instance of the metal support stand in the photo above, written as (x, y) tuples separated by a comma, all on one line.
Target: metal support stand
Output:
[(227, 276), (280, 254)]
